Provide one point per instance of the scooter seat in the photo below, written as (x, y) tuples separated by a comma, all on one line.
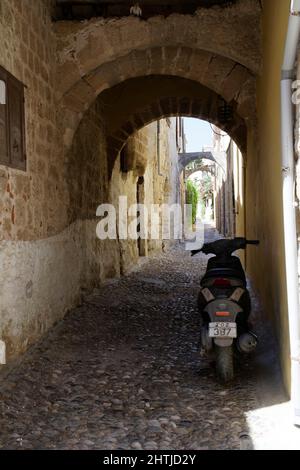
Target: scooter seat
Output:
[(230, 268), (225, 273)]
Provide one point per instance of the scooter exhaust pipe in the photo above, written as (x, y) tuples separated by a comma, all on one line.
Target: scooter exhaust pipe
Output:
[(247, 342)]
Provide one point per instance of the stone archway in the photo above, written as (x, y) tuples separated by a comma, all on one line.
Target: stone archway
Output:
[(197, 157), (84, 46), (99, 54), (135, 103), (114, 77)]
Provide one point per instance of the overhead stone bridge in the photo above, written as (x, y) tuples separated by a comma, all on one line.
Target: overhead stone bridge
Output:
[(186, 158), (198, 165)]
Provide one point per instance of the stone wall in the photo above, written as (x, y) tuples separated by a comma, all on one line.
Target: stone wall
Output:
[(230, 191), (224, 190), (34, 289), (49, 252), (33, 203), (264, 221), (297, 154), (160, 176), (41, 279)]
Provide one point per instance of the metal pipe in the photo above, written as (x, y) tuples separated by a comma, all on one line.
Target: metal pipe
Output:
[(288, 194), (158, 134)]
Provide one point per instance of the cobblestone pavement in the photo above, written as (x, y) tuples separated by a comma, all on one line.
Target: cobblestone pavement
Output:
[(123, 371)]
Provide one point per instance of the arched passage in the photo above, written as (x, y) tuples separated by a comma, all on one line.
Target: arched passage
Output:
[(99, 54), (135, 103), (197, 159), (109, 79), (119, 113), (93, 89), (118, 77)]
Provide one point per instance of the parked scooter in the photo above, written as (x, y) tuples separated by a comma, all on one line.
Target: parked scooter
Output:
[(225, 306)]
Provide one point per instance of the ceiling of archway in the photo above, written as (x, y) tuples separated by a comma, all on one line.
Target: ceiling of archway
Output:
[(131, 105), (86, 9)]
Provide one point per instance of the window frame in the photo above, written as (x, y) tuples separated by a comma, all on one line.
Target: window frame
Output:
[(11, 83)]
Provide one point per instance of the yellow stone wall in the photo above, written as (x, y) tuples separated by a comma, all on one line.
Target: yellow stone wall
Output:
[(263, 182)]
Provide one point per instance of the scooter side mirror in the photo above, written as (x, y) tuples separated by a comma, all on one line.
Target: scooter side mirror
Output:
[(252, 242), (195, 252)]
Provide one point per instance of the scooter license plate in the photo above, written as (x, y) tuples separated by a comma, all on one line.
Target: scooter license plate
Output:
[(222, 330)]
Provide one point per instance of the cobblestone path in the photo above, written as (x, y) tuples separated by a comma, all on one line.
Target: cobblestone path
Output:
[(123, 371)]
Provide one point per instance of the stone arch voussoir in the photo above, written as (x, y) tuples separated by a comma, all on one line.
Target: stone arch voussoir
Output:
[(233, 33)]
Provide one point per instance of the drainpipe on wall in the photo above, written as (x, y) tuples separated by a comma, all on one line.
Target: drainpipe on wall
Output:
[(288, 192), (158, 134)]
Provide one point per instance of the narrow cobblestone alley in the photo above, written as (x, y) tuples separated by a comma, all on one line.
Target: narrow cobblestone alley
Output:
[(123, 371), (123, 124)]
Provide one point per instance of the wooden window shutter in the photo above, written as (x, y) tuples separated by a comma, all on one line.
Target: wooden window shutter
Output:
[(4, 137), (12, 124), (16, 124)]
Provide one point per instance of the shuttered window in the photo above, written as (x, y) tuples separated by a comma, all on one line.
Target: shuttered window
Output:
[(12, 135)]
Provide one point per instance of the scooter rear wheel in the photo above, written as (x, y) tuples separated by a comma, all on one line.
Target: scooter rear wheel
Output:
[(224, 363)]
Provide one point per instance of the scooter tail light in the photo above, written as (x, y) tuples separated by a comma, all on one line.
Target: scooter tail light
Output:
[(223, 314), (220, 282)]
